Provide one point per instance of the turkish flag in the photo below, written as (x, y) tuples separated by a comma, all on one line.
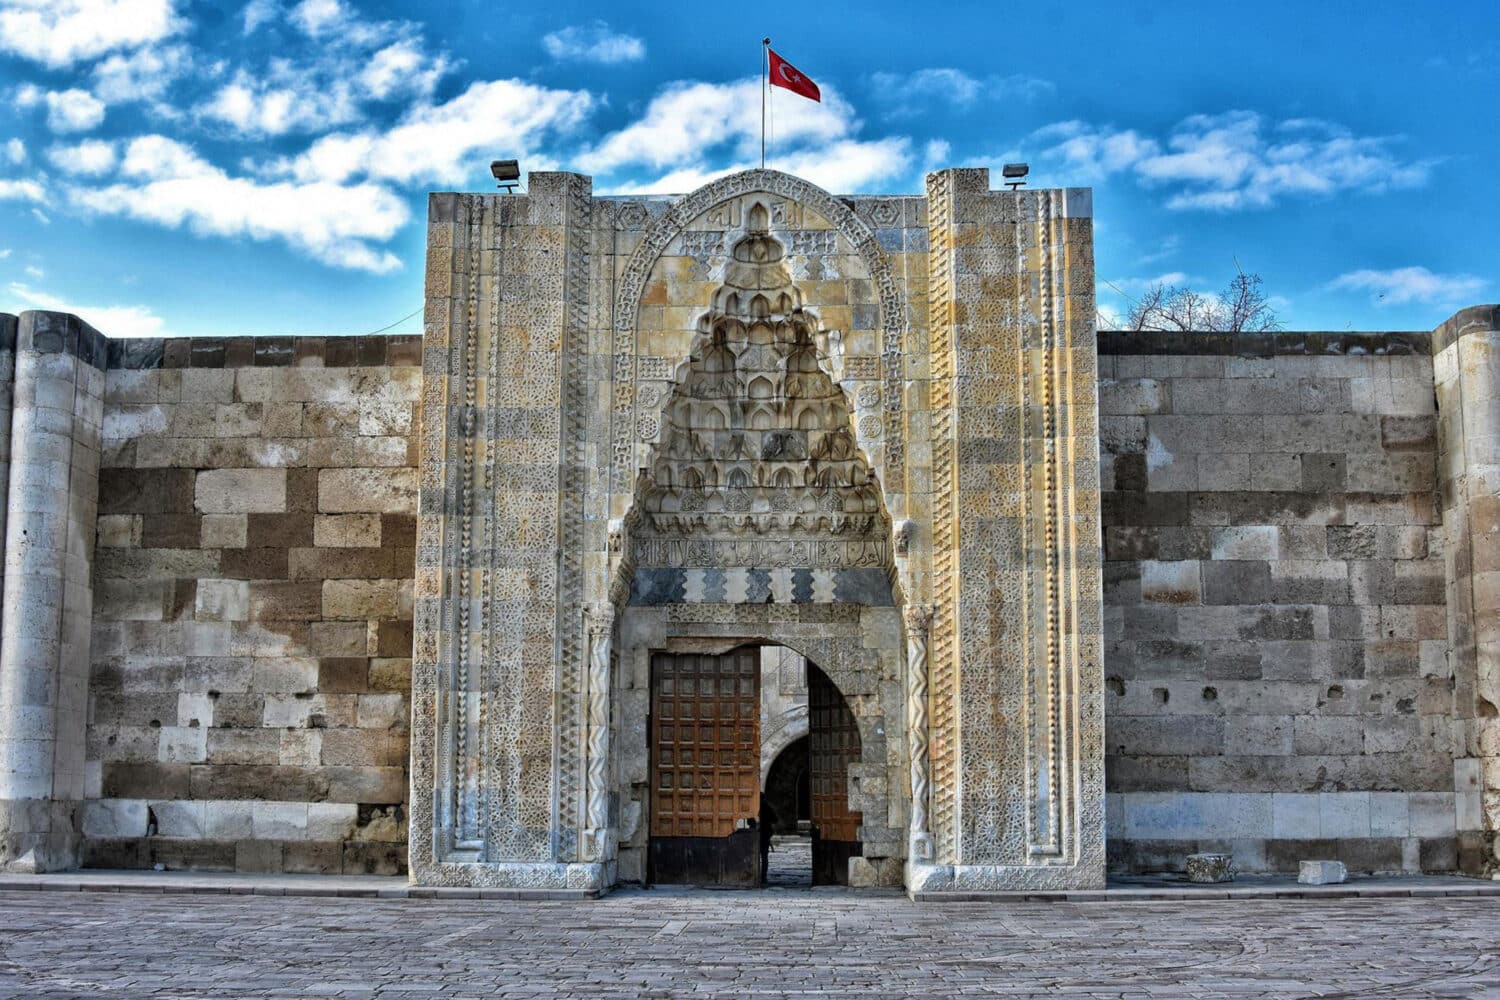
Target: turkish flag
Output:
[(784, 74)]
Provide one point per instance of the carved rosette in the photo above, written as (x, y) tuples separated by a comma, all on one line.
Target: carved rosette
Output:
[(918, 622), (600, 622)]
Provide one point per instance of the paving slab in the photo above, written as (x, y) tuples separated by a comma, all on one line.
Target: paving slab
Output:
[(770, 943)]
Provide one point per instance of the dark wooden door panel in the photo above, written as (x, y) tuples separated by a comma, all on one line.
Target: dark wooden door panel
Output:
[(833, 743), (705, 733)]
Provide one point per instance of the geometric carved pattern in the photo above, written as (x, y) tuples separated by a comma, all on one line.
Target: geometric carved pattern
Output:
[(796, 195), (757, 451), (943, 662)]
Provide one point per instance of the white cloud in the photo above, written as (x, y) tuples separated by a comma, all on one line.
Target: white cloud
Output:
[(595, 43), (450, 142), (15, 151), (323, 80), (688, 122), (283, 101), (1404, 285), (1171, 279), (59, 33), (850, 166), (112, 321), (169, 184), (935, 154), (22, 190), (317, 17), (39, 215), (34, 272), (5, 253), (89, 158), (73, 110), (1232, 161), (909, 94), (257, 13), (143, 75), (402, 68), (846, 166)]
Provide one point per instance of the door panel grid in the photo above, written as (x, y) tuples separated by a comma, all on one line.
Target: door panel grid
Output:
[(833, 744), (705, 728)]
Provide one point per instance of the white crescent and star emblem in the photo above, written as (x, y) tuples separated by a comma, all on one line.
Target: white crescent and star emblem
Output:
[(788, 74)]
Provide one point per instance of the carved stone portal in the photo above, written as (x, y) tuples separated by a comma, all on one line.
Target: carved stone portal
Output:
[(679, 425)]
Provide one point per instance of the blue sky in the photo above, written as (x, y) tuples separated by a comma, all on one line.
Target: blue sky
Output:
[(177, 167)]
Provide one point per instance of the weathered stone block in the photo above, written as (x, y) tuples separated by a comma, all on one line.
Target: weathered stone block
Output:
[(391, 491), (1321, 873), (1210, 868), (235, 491)]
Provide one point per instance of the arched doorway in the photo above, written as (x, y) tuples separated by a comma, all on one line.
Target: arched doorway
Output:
[(712, 820)]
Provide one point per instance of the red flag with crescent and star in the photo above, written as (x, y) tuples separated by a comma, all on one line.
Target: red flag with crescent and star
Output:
[(784, 74)]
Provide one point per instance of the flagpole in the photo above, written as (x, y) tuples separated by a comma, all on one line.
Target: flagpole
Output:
[(765, 85)]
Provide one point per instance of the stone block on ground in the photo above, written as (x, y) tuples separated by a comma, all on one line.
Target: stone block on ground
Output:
[(1321, 873), (1209, 868)]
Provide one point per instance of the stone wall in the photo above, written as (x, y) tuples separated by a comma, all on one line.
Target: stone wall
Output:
[(54, 414), (1277, 675), (248, 704), (1466, 373)]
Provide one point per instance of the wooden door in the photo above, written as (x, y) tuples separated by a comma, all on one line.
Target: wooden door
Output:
[(705, 788), (833, 743)]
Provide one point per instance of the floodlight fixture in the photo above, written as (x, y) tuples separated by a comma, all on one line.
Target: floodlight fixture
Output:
[(507, 174), (1015, 174)]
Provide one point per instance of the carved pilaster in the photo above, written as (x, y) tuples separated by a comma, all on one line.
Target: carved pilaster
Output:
[(600, 620), (918, 622)]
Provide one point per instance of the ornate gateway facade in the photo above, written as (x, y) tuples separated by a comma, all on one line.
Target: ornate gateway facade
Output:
[(658, 431), (690, 521)]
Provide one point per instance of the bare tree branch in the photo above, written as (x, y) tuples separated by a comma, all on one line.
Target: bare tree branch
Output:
[(1240, 308)]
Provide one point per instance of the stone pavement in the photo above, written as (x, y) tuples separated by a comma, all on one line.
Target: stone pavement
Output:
[(771, 943), (790, 863)]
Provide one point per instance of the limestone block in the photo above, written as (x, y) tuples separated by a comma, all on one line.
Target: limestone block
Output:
[(331, 820), (284, 674), (183, 744), (381, 711), (1344, 814), (1321, 873), (1389, 814), (179, 819), (195, 709), (1295, 815), (222, 601), (1171, 582), (119, 531), (235, 491), (1432, 814), (279, 820), (301, 747), (1210, 868), (346, 530), (223, 531), (1258, 542), (368, 599), (114, 818), (392, 491)]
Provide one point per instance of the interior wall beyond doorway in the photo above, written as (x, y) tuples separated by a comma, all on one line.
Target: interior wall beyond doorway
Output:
[(858, 647)]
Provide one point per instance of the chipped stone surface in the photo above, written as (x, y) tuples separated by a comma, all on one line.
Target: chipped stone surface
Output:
[(1210, 868), (1321, 873)]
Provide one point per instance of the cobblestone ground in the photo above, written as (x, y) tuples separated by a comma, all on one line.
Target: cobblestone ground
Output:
[(772, 943)]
